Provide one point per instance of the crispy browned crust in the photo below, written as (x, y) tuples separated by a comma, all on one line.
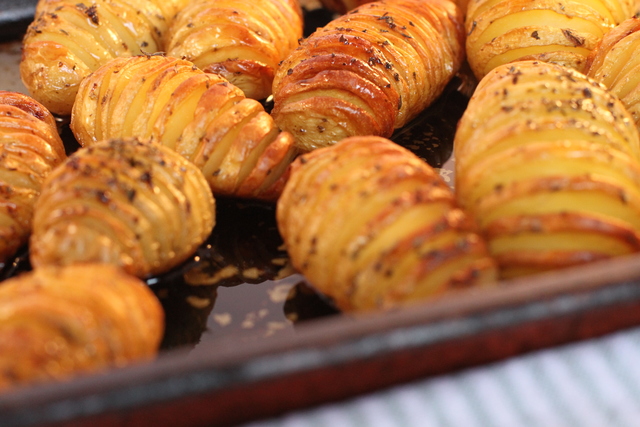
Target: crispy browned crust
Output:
[(502, 31), (127, 202), (369, 71), (371, 225), (30, 148), (231, 138), (615, 63), (69, 39), (243, 40), (57, 323), (548, 161)]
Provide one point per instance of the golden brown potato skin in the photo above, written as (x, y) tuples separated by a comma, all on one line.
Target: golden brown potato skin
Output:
[(548, 163), (562, 32), (69, 39), (200, 115), (30, 148), (127, 202), (371, 225), (615, 63), (242, 40), (369, 71), (57, 323)]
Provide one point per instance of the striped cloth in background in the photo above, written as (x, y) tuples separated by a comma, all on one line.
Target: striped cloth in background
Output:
[(593, 383)]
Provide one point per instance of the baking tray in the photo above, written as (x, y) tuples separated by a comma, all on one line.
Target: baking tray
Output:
[(247, 338)]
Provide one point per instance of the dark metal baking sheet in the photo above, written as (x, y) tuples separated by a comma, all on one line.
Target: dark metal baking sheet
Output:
[(15, 15)]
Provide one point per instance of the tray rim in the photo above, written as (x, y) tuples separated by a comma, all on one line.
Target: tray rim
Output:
[(220, 372)]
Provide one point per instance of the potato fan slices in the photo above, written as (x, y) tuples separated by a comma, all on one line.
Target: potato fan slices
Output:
[(242, 40), (369, 71), (56, 323), (373, 226), (563, 32), (548, 163), (134, 204), (30, 148), (203, 117), (69, 39)]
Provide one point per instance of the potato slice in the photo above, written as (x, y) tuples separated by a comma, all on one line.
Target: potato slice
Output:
[(368, 72), (131, 203), (61, 322), (202, 116), (30, 148), (548, 162), (503, 31), (371, 225), (242, 40), (68, 39)]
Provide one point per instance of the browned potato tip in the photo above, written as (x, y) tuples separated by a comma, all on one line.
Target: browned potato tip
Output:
[(30, 148), (134, 204), (229, 137), (69, 39), (242, 40), (615, 63), (562, 32), (547, 161), (58, 323), (371, 225), (369, 71)]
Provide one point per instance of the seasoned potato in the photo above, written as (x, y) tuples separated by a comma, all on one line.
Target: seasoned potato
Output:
[(242, 40), (548, 163), (563, 32), (369, 71), (30, 148), (615, 63), (127, 202), (57, 323), (203, 117), (371, 225), (69, 39)]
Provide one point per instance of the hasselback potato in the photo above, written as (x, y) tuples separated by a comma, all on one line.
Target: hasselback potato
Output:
[(68, 39), (371, 225), (563, 32), (243, 40), (127, 202), (29, 149), (369, 71), (200, 115), (547, 161), (57, 323), (615, 63)]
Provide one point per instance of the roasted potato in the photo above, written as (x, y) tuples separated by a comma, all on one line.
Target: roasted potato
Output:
[(242, 40), (203, 117), (58, 323), (547, 161), (371, 225), (615, 63), (563, 32), (368, 72), (127, 202), (30, 148), (68, 39)]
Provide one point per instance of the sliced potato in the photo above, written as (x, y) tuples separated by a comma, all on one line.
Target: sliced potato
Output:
[(242, 40), (368, 72), (30, 148), (127, 202), (69, 39), (548, 161), (371, 225), (57, 323), (202, 116), (503, 31)]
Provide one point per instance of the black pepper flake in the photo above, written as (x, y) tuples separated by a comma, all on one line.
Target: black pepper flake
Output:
[(535, 35)]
